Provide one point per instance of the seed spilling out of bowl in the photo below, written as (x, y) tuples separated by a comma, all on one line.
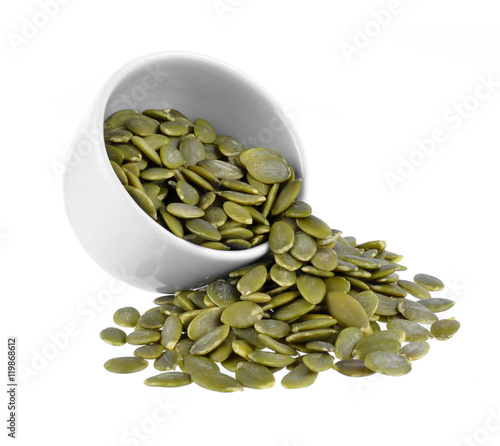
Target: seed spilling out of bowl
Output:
[(317, 301), (206, 188)]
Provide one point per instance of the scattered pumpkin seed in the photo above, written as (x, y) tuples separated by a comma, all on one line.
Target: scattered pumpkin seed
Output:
[(125, 364), (444, 329), (429, 282)]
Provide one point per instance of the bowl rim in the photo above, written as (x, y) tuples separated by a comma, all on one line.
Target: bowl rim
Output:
[(98, 117)]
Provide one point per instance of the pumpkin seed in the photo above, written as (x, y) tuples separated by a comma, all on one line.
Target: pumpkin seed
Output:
[(241, 314), (388, 363), (254, 376), (119, 119), (389, 289), (258, 297), (416, 312), (372, 344), (313, 324), (298, 209), (311, 288), (229, 146), (415, 350), (314, 226), (278, 347), (414, 289), (429, 282), (222, 352), (171, 332), (216, 381), (337, 284), (375, 244), (193, 174), (242, 348), (318, 362), (151, 319), (348, 311), (143, 337), (151, 351), (242, 198), (210, 341), (444, 329), (414, 332), (286, 197), (320, 346), (204, 131), (270, 199), (325, 259), (222, 293), (347, 339), (125, 364), (237, 212), (309, 335), (173, 224), (205, 322), (144, 147), (235, 243), (183, 210), (169, 360), (204, 229), (281, 237), (287, 261), (353, 368), (437, 304), (299, 377), (174, 128), (169, 379), (239, 186), (293, 310), (272, 328), (270, 359), (142, 200), (253, 280), (141, 126), (222, 169), (267, 169), (304, 247), (113, 336), (183, 347), (194, 364), (126, 317)]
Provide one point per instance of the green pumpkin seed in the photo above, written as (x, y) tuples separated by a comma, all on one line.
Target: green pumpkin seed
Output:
[(309, 335), (278, 347), (293, 310), (237, 212), (143, 337), (183, 210), (113, 336), (299, 377), (239, 186), (346, 267), (242, 348), (375, 244), (311, 288), (151, 319), (414, 332), (313, 324), (286, 197), (198, 364), (231, 363), (352, 368), (314, 226), (241, 314), (230, 147), (320, 346), (373, 344), (267, 169), (125, 364), (208, 320), (261, 187), (115, 154), (282, 276), (119, 119), (171, 332), (362, 262), (126, 317), (270, 199), (298, 209), (192, 174), (415, 350), (416, 312), (171, 310), (369, 301), (119, 173), (172, 223), (222, 352), (210, 341), (271, 359), (337, 284), (414, 289), (304, 247), (254, 376), (183, 347), (437, 304), (287, 261), (144, 147), (203, 229), (222, 169), (216, 381), (388, 363), (141, 126), (258, 217), (281, 237), (258, 297), (159, 115), (236, 233), (386, 306), (222, 293), (348, 311), (169, 379), (182, 300), (169, 360), (242, 198), (215, 216), (171, 157), (429, 282), (235, 243), (142, 200), (389, 289), (204, 131), (253, 280), (151, 351), (174, 128), (318, 362), (325, 259), (347, 339), (192, 150), (444, 329), (272, 328)]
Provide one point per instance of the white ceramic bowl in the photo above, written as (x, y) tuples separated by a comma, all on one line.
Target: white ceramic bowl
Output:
[(119, 235)]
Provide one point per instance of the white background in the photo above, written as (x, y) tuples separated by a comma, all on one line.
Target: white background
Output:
[(359, 116)]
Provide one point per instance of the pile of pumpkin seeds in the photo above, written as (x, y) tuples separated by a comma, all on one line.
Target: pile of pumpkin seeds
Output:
[(206, 188), (317, 302)]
